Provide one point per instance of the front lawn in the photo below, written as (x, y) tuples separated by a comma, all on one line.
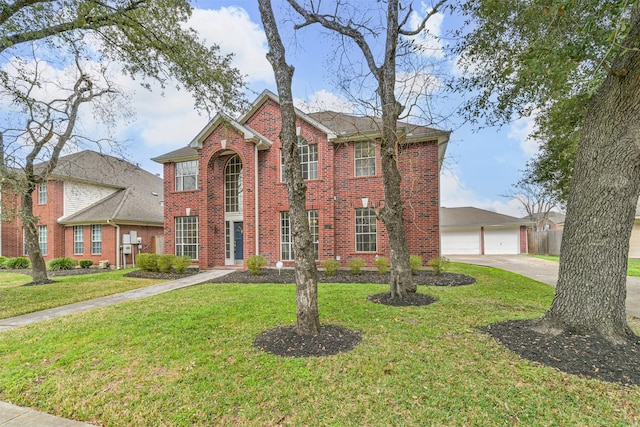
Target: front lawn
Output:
[(633, 267), (16, 299), (186, 358)]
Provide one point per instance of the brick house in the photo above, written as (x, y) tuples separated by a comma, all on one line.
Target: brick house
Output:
[(225, 198), (88, 203)]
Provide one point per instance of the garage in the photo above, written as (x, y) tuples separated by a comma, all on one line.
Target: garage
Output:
[(460, 242), (474, 231), (634, 241)]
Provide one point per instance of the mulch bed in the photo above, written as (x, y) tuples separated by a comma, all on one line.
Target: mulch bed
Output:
[(284, 341), (412, 299), (588, 355)]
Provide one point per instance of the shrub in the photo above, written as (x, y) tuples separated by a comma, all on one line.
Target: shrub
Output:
[(330, 266), (86, 263), (356, 264), (164, 262), (415, 262), (382, 264), (147, 262), (439, 265), (62, 264), (255, 264), (3, 260), (19, 262), (181, 263)]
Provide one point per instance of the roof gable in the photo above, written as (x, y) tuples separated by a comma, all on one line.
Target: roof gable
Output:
[(470, 216), (249, 134)]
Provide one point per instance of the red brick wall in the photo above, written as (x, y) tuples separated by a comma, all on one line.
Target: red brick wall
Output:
[(335, 194), (523, 239)]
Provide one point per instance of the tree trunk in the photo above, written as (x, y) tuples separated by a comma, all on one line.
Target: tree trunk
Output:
[(38, 266), (392, 215), (308, 319), (591, 291)]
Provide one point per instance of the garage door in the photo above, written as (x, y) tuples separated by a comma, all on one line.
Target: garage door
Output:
[(634, 242), (460, 242), (501, 241)]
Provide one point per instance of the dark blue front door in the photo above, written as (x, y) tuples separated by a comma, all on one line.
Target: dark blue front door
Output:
[(238, 241)]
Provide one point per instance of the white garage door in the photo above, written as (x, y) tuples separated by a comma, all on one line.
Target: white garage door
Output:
[(460, 242), (634, 242), (501, 241)]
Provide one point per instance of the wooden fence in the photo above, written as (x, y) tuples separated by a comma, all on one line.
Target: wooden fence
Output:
[(544, 242)]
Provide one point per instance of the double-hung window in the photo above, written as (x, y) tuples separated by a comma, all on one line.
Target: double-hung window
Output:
[(186, 235), (187, 175), (42, 238), (286, 240), (366, 230), (78, 239), (42, 193), (365, 158), (96, 239), (308, 154)]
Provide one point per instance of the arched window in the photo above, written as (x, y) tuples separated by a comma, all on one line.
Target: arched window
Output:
[(233, 185)]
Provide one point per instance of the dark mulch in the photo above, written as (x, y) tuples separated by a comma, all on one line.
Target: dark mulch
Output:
[(161, 276), (412, 299), (272, 275), (284, 341), (588, 355)]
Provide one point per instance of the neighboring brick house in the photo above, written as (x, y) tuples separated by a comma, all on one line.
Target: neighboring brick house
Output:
[(88, 203), (226, 199)]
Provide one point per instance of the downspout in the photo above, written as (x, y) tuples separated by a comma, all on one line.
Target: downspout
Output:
[(256, 208), (109, 221)]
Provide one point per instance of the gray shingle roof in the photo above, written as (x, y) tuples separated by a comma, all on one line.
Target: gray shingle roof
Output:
[(134, 202), (470, 216)]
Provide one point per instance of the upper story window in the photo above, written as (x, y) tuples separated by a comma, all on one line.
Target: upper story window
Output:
[(187, 175), (42, 193), (308, 160), (365, 158), (233, 198)]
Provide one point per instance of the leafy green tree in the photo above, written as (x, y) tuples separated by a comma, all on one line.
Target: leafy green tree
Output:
[(539, 56), (148, 38)]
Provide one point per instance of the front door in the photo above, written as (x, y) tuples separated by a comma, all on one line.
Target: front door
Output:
[(238, 240)]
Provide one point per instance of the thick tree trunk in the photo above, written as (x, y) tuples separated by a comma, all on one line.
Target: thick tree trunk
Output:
[(308, 319), (38, 266), (591, 291), (392, 215)]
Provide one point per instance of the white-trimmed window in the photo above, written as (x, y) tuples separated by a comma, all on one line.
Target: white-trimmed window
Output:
[(308, 160), (187, 236), (78, 239), (42, 239), (96, 239), (365, 158), (42, 193), (366, 230), (187, 175), (233, 195), (286, 241)]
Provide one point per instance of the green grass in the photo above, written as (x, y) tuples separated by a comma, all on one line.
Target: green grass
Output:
[(16, 299), (185, 358), (633, 267)]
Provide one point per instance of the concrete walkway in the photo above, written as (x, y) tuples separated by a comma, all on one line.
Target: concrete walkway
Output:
[(16, 416), (544, 271)]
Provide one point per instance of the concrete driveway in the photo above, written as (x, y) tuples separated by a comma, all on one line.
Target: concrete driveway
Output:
[(543, 271)]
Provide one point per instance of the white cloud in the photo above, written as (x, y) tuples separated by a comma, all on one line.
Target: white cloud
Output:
[(324, 100), (520, 130), (428, 41)]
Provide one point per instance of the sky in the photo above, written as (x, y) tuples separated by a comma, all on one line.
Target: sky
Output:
[(481, 164)]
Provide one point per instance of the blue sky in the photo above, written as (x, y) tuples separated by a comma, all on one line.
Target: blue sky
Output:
[(481, 164)]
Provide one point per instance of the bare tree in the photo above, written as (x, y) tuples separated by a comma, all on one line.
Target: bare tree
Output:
[(536, 202), (384, 73), (308, 320)]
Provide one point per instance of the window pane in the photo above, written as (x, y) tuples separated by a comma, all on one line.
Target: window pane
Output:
[(366, 230), (96, 239), (186, 175), (78, 239), (365, 158), (233, 185), (186, 236), (42, 238), (286, 252)]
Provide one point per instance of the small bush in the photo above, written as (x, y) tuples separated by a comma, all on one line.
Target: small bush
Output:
[(16, 263), (415, 262), (164, 262), (85, 263), (3, 260), (356, 264), (255, 264), (147, 262), (62, 264), (382, 264), (331, 266), (181, 263), (439, 265)]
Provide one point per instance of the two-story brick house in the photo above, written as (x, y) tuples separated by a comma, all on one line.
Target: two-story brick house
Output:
[(226, 199), (87, 204)]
